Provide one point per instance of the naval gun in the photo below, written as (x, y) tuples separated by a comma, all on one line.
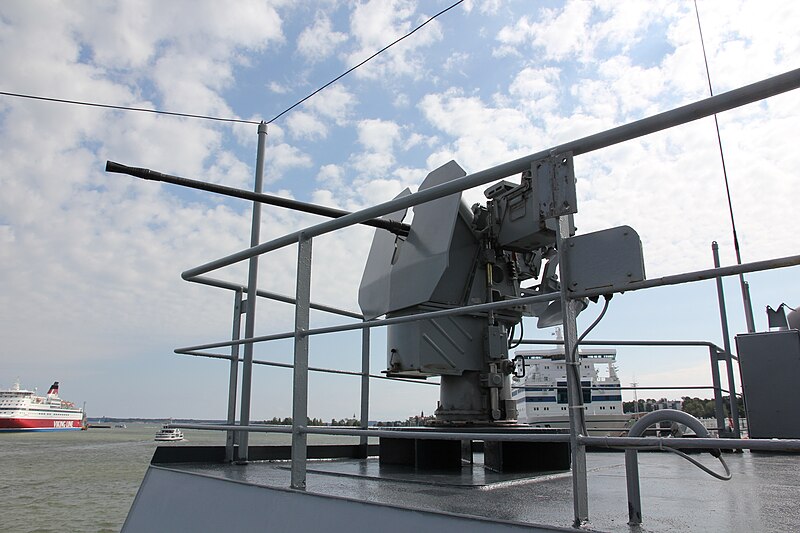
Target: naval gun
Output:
[(455, 256)]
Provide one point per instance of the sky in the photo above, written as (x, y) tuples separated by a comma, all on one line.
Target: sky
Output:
[(90, 262)]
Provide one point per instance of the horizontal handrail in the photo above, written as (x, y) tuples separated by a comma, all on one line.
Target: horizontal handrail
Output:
[(558, 342), (388, 432), (604, 442), (783, 445), (681, 115), (221, 284), (699, 275), (367, 324), (311, 368)]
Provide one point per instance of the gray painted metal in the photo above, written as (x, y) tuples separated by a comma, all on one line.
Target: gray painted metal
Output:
[(374, 292), (681, 115), (173, 500), (146, 173), (212, 282), (762, 445), (300, 381), (413, 271), (252, 284), (577, 415), (773, 445), (322, 370), (748, 305), (770, 366), (365, 351), (700, 275), (610, 259), (719, 410), (233, 378), (726, 342), (632, 460)]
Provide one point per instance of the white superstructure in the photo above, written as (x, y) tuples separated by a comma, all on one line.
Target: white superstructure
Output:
[(541, 394), (22, 410), (169, 434)]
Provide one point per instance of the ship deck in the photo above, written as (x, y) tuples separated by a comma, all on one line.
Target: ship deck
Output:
[(676, 496)]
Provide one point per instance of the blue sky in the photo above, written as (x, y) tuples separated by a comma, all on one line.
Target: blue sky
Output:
[(90, 263)]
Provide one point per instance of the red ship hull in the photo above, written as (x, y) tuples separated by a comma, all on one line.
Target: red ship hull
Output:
[(36, 424)]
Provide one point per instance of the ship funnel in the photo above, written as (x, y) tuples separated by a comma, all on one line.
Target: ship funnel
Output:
[(53, 389)]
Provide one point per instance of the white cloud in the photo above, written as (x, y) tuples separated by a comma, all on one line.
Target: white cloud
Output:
[(377, 23), (277, 88), (401, 100), (319, 41), (304, 125), (537, 89), (378, 135), (559, 32), (282, 157), (483, 135), (486, 7), (456, 61), (331, 174), (335, 103)]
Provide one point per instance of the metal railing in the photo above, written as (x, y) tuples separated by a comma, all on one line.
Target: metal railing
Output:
[(302, 332)]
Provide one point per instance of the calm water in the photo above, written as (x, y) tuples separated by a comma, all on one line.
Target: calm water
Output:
[(82, 480)]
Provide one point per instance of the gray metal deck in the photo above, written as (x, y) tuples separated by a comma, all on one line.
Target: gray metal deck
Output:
[(676, 496)]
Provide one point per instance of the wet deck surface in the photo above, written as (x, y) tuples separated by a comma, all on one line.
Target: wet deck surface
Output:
[(676, 496)]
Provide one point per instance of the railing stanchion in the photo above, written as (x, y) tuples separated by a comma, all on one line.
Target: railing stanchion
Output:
[(300, 381), (252, 288), (577, 418), (726, 343), (232, 437), (719, 410), (365, 352)]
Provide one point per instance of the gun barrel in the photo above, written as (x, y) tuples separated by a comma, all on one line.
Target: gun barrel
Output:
[(398, 228)]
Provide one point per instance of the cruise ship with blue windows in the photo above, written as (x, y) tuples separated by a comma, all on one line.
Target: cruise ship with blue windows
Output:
[(541, 394)]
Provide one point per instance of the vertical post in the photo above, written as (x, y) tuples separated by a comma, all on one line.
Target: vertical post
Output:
[(230, 440), (748, 305), (252, 285), (632, 483), (300, 383), (365, 351), (726, 343), (577, 416), (719, 410)]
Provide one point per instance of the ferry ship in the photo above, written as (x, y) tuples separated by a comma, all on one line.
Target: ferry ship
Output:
[(22, 410), (541, 393), (169, 434)]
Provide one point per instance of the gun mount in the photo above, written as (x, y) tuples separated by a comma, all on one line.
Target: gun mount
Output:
[(456, 256)]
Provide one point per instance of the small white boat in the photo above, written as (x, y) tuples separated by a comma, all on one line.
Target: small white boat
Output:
[(169, 434)]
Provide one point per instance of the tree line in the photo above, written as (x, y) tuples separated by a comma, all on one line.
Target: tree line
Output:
[(697, 407), (287, 421)]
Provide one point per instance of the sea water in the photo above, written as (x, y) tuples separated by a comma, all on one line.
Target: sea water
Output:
[(80, 481)]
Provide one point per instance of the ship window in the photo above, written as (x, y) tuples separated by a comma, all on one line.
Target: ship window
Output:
[(561, 393)]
